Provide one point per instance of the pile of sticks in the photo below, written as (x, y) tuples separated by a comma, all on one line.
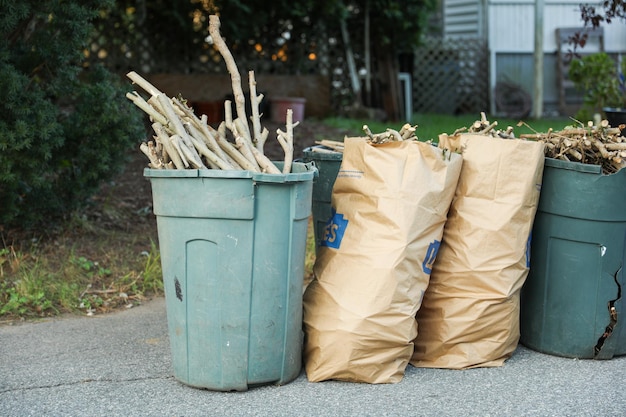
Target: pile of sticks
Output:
[(594, 144), (185, 141), (485, 127), (406, 132)]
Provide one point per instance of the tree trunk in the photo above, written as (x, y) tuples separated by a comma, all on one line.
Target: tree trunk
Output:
[(389, 83), (367, 55), (354, 77)]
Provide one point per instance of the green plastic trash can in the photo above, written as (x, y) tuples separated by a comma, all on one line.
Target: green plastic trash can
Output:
[(328, 164), (573, 291), (232, 247)]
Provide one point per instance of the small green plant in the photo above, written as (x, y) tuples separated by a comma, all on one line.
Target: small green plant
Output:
[(601, 81), (27, 294), (309, 260), (83, 263), (13, 303), (91, 302), (53, 277), (152, 274), (91, 268), (19, 304), (4, 256)]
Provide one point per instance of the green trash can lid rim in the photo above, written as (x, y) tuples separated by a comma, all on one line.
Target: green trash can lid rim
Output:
[(573, 166), (312, 155), (303, 172), (195, 173)]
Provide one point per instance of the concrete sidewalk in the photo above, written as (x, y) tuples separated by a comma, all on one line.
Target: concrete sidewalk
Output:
[(119, 365)]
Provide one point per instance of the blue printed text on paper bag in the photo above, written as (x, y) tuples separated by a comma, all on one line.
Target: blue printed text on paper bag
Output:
[(431, 255), (334, 230)]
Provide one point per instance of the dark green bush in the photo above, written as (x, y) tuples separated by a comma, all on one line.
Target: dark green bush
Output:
[(65, 127)]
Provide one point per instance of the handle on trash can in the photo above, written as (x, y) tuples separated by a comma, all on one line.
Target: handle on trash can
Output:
[(310, 166)]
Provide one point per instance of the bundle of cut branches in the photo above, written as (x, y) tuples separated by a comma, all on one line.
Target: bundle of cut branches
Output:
[(406, 132), (595, 144), (601, 144), (183, 140), (485, 127)]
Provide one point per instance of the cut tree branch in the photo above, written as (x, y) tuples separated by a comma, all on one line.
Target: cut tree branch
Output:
[(286, 141), (183, 140), (233, 70)]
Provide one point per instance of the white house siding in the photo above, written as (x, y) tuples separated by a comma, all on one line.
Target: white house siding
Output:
[(511, 42), (464, 18), (511, 25), (509, 28)]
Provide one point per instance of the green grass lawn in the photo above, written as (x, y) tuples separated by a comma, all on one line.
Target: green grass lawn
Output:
[(431, 125)]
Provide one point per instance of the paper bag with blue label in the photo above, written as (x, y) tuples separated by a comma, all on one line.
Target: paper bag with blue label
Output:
[(390, 203), (470, 313)]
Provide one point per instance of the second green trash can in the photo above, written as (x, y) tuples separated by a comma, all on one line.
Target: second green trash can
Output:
[(232, 249), (572, 303), (328, 164)]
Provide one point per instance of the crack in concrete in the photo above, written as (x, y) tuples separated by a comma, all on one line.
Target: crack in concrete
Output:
[(85, 381)]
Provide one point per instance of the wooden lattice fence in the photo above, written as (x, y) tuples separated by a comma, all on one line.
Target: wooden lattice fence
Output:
[(451, 76), (448, 76)]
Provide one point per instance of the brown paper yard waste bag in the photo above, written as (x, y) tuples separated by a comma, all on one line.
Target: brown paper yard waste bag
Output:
[(470, 313), (390, 203)]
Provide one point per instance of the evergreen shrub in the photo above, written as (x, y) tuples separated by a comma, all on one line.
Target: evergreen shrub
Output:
[(65, 127)]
